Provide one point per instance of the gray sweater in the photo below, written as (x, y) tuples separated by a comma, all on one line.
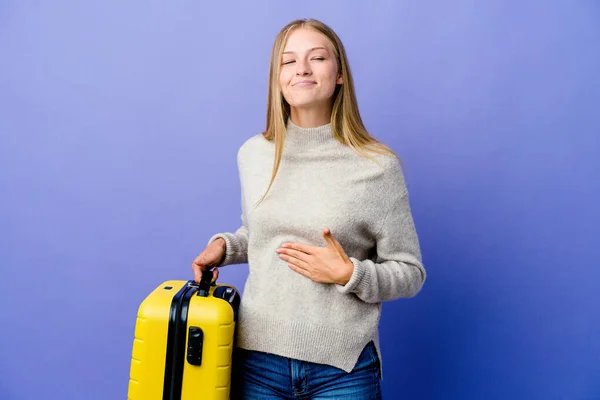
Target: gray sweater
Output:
[(320, 183)]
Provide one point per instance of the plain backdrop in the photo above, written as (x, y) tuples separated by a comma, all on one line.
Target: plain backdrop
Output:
[(120, 122)]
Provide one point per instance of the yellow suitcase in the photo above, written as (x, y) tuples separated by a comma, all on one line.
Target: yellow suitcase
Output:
[(184, 338)]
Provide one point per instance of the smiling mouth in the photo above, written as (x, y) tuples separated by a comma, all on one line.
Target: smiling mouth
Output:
[(305, 83)]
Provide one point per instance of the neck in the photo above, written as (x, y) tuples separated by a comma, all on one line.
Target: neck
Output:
[(310, 117), (299, 139)]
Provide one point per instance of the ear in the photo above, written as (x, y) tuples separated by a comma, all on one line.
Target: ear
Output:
[(340, 80)]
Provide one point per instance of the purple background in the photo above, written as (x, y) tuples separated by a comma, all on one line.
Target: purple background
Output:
[(119, 128)]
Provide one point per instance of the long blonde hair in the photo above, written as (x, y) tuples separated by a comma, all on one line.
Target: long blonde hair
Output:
[(346, 123)]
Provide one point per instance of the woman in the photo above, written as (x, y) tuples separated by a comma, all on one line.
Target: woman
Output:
[(326, 230)]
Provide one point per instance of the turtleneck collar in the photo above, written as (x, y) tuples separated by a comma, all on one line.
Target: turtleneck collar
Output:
[(307, 138)]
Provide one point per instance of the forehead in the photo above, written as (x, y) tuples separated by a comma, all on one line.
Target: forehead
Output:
[(303, 39)]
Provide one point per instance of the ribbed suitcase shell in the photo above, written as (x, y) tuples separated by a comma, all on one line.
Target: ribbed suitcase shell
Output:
[(150, 358)]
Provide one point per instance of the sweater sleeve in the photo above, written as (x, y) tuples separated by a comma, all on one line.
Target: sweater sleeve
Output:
[(236, 248), (397, 271)]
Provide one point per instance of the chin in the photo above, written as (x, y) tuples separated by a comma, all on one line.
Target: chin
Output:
[(306, 103)]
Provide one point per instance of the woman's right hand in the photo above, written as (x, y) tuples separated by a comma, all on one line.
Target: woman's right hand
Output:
[(212, 255)]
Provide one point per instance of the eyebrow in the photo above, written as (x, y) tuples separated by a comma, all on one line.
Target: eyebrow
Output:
[(314, 48)]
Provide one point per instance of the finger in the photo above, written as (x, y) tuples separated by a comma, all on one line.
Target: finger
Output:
[(331, 239), (197, 272), (215, 275), (328, 237), (199, 260), (299, 247), (295, 253), (296, 261)]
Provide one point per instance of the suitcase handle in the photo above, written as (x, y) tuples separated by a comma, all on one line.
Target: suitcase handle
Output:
[(204, 285)]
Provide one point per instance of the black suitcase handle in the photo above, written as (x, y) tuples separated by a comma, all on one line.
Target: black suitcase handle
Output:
[(205, 283)]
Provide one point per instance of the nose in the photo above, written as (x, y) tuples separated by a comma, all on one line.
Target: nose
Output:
[(302, 68)]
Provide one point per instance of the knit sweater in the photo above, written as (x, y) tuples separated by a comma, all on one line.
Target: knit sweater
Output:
[(320, 183)]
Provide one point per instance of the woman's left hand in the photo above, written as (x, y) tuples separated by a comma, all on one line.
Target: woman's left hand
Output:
[(328, 264)]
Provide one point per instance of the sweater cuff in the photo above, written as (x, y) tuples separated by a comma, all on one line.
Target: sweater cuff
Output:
[(230, 248), (355, 279)]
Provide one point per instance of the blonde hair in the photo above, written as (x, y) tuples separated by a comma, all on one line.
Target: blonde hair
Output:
[(346, 123)]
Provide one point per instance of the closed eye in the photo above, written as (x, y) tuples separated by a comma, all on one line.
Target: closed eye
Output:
[(314, 58)]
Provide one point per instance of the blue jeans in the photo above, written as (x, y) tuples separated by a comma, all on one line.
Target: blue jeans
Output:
[(264, 376)]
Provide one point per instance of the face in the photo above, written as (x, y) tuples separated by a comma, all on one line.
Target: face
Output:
[(309, 72)]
